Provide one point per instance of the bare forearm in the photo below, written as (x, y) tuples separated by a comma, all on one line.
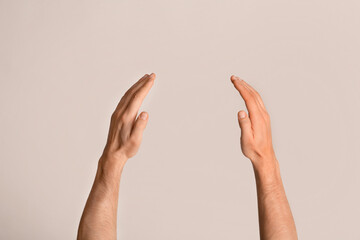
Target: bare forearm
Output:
[(275, 217), (100, 214)]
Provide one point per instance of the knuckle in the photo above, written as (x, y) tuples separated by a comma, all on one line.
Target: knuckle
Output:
[(114, 116), (248, 97), (124, 117), (134, 140), (135, 96), (126, 95)]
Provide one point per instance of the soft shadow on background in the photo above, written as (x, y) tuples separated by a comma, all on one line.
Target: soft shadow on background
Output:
[(65, 64)]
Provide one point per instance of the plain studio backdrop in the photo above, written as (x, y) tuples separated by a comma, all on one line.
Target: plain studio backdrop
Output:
[(64, 65)]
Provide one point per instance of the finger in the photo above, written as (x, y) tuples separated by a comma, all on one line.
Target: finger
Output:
[(249, 98), (258, 97), (138, 97), (245, 125), (127, 96), (253, 92), (139, 127)]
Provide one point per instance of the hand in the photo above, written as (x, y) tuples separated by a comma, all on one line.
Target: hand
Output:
[(125, 133), (256, 142)]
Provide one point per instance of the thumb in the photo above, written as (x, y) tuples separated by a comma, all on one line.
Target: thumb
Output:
[(140, 125), (245, 124)]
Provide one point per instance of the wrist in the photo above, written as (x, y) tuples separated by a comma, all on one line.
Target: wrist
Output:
[(110, 163), (267, 171), (108, 176)]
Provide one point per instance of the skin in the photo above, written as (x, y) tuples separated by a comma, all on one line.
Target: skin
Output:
[(125, 134), (275, 217)]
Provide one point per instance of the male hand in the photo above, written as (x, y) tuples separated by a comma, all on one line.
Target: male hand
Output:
[(256, 142), (126, 128)]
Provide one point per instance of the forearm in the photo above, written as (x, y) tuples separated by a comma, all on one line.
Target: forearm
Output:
[(100, 214), (275, 217), (125, 134)]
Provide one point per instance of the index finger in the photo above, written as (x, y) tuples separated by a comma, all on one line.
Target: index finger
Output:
[(125, 99), (249, 98), (138, 97), (258, 97)]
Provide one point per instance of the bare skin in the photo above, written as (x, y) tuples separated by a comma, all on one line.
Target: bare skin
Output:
[(275, 217), (125, 134)]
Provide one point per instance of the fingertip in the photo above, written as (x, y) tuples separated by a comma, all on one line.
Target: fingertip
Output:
[(242, 114), (144, 116), (152, 76), (233, 78)]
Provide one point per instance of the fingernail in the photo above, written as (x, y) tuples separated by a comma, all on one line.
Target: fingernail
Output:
[(242, 114), (143, 116), (151, 76), (235, 77)]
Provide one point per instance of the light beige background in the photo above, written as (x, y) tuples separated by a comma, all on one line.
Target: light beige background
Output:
[(65, 64)]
